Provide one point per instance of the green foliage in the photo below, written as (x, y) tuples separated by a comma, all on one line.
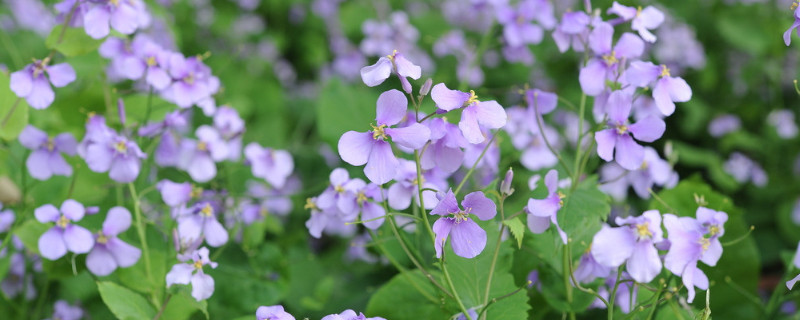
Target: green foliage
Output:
[(517, 229), (13, 111), (124, 303), (29, 233), (72, 41), (342, 108), (407, 296)]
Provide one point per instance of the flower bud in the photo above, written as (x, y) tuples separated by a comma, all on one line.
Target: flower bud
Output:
[(505, 185), (121, 111), (426, 87)]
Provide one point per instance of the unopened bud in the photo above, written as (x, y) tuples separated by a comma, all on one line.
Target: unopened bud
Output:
[(9, 193), (505, 186), (121, 111), (92, 210), (406, 84), (426, 87)]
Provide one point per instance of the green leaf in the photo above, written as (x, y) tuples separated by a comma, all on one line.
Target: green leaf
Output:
[(584, 210), (124, 303), (29, 233), (401, 299), (342, 108), (517, 229), (13, 111), (739, 261), (73, 42), (182, 305)]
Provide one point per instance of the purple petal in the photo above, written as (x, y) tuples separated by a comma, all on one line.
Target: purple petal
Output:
[(481, 206), (375, 74), (355, 147), (117, 221), (125, 169), (215, 233), (606, 141), (612, 246), (629, 46), (100, 159), (469, 125), (644, 264), (124, 19), (78, 239), (399, 196), (406, 68), (73, 210), (790, 283), (38, 164), (41, 95), (47, 213), (538, 224), (467, 239), (546, 207), (22, 82), (392, 107), (202, 168), (447, 99), (629, 154), (490, 114), (371, 211), (382, 165), (100, 261), (32, 138), (61, 74), (414, 136), (175, 194), (190, 227), (180, 273), (202, 286), (592, 77), (125, 254), (600, 38), (66, 143), (787, 36), (713, 253), (551, 181), (648, 129), (618, 106), (95, 22), (51, 244), (641, 73), (447, 205)]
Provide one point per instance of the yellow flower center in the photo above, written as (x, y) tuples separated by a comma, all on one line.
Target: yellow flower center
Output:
[(462, 216), (361, 198), (713, 229), (391, 56), (794, 5), (207, 210), (705, 243), (50, 144), (561, 197), (610, 58), (378, 132), (40, 66), (202, 146), (101, 238), (189, 79), (419, 181), (644, 165), (151, 61), (121, 146), (339, 189), (263, 212), (643, 230), (664, 71), (310, 204), (638, 11), (621, 129), (198, 264), (196, 192), (62, 221), (473, 98)]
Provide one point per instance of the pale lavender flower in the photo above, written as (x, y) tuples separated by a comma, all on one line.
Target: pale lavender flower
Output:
[(679, 47), (667, 89), (17, 281), (783, 121), (125, 16), (193, 83), (588, 269), (693, 240), (186, 273), (34, 80), (64, 236), (45, 159), (394, 63), (373, 149), (743, 169), (543, 212), (107, 151), (349, 315), (231, 128), (272, 313), (642, 20), (445, 151), (572, 31), (64, 311), (787, 36), (518, 27), (604, 66), (467, 238), (634, 241), (476, 113), (33, 15), (199, 157), (629, 154), (110, 252), (169, 130), (6, 219), (406, 187), (200, 220), (272, 165), (326, 219), (724, 124), (796, 264)]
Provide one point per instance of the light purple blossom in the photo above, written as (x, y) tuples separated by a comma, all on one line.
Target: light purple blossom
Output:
[(125, 16), (274, 166), (272, 313), (231, 128), (629, 154), (45, 159), (64, 311), (467, 238), (110, 252), (373, 149), (642, 20), (349, 315), (199, 157), (633, 241), (34, 80), (169, 130), (666, 91), (6, 219), (543, 212), (185, 273), (445, 151), (64, 235), (476, 113), (724, 124), (588, 269), (518, 26), (325, 219), (394, 63), (200, 220), (401, 192), (787, 36), (783, 121), (605, 64), (744, 169), (572, 31), (106, 151), (193, 83)]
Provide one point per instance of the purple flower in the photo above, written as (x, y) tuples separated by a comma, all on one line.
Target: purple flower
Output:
[(401, 192), (633, 241), (200, 220), (326, 219), (588, 269), (337, 195), (253, 211), (445, 150), (692, 240), (33, 82), (375, 74), (467, 238), (642, 20), (796, 264), (629, 154), (543, 212), (518, 27), (6, 219), (667, 89), (527, 137), (349, 315), (724, 124), (357, 197), (787, 36), (105, 150), (45, 159), (231, 128), (653, 171), (54, 243), (193, 82), (487, 113), (783, 121), (199, 157), (124, 16), (16, 281), (744, 169), (272, 313), (109, 251), (64, 311), (373, 149), (274, 166), (168, 150), (177, 194), (623, 299), (605, 65), (573, 30), (185, 273)]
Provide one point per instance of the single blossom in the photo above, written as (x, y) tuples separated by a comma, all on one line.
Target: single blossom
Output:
[(543, 212), (64, 235), (406, 187), (34, 80), (667, 89), (605, 65), (467, 238), (45, 159), (642, 20), (169, 130), (107, 151), (629, 154), (193, 83), (125, 16), (199, 157), (349, 315), (272, 165), (396, 62), (476, 113), (518, 26), (572, 31), (724, 124), (272, 313), (373, 149), (445, 151), (231, 127), (744, 169), (64, 311), (185, 273), (200, 220), (6, 219), (588, 269), (633, 241), (787, 36), (110, 252)]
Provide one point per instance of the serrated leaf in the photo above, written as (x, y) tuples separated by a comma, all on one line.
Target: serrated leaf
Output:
[(400, 299), (124, 303), (517, 229), (13, 111), (73, 42)]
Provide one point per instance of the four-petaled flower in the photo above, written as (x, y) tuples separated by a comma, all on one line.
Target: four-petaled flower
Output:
[(65, 235), (185, 273), (633, 241), (543, 212), (667, 90), (489, 114), (110, 252), (33, 82), (46, 159), (375, 74), (629, 154), (467, 238), (605, 65)]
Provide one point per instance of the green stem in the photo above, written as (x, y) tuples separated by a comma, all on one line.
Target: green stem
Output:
[(10, 112), (421, 198), (403, 270), (494, 259), (474, 165), (613, 295), (140, 229), (582, 110), (566, 266), (412, 258), (163, 307), (453, 287)]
